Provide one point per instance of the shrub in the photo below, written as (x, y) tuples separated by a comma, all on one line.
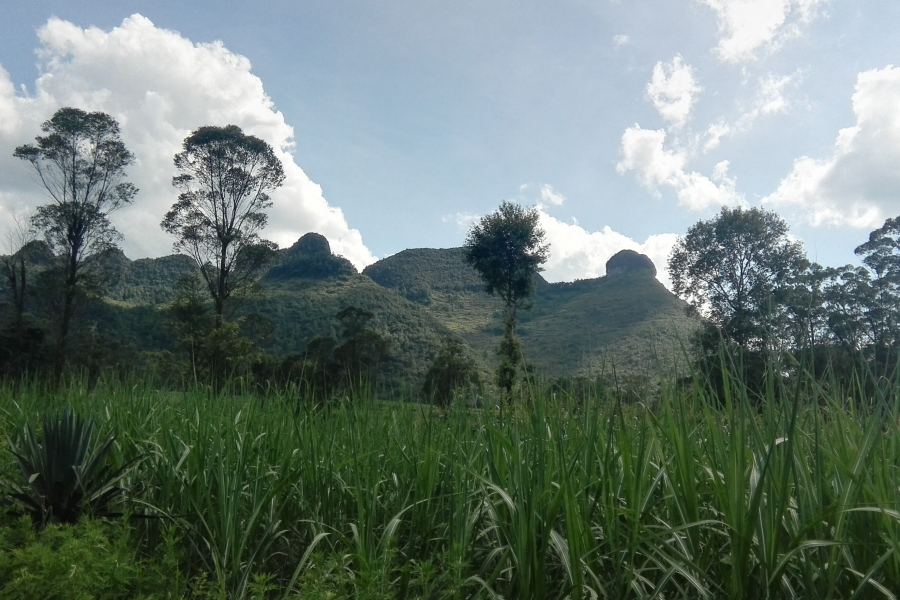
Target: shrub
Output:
[(66, 473), (92, 559), (451, 370)]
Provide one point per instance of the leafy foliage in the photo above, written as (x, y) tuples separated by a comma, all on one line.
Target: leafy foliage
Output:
[(699, 491), (507, 249), (225, 178), (730, 270), (148, 281), (451, 372), (310, 258), (91, 559), (66, 473), (81, 163)]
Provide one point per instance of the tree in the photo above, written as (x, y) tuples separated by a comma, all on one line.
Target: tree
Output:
[(361, 350), (16, 268), (22, 346), (877, 301), (882, 252), (451, 371), (225, 178), (732, 268), (81, 163), (507, 250)]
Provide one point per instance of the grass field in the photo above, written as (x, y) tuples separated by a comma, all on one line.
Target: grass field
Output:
[(689, 494)]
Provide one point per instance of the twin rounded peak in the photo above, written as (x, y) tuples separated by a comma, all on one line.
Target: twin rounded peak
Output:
[(629, 261), (625, 261)]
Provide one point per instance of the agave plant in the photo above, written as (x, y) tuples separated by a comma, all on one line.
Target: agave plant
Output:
[(66, 473)]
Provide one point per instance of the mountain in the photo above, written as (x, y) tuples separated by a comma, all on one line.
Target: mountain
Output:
[(418, 297), (308, 286), (626, 319), (299, 296)]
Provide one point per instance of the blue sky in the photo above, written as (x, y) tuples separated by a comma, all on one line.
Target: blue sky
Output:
[(403, 120)]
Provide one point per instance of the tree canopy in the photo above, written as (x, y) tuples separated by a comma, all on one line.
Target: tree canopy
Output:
[(507, 250), (81, 164), (225, 178), (729, 269)]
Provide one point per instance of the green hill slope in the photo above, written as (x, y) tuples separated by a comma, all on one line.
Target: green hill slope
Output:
[(419, 297), (303, 308), (627, 319)]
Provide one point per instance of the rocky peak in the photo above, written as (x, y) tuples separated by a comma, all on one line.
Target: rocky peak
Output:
[(311, 244), (629, 261)]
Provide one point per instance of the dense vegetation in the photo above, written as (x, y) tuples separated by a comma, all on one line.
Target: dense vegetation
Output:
[(419, 299), (249, 423), (691, 494)]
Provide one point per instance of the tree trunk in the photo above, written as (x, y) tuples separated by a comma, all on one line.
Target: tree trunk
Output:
[(69, 293)]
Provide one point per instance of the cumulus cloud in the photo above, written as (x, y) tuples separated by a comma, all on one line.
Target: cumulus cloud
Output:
[(859, 184), (576, 253), (550, 196), (748, 27), (621, 40), (159, 86), (672, 90), (644, 152)]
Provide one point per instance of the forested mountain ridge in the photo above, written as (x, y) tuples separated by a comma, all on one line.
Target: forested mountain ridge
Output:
[(418, 298), (626, 319)]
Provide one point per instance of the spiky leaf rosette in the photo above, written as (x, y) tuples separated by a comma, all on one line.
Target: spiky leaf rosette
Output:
[(66, 474)]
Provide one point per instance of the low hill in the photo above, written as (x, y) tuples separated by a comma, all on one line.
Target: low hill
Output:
[(627, 319)]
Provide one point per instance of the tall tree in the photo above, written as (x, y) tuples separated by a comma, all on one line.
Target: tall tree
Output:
[(81, 163), (225, 178), (16, 268), (507, 250), (881, 254), (732, 268)]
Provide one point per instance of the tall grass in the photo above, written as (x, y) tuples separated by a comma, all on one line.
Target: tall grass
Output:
[(698, 493)]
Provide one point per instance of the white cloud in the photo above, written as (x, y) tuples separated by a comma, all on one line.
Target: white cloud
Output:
[(550, 196), (672, 89), (576, 253), (859, 184), (715, 133), (769, 100), (463, 220), (644, 151), (621, 40), (747, 27), (160, 86), (771, 95)]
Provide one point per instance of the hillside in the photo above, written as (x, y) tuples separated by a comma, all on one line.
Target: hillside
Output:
[(418, 298), (626, 319), (300, 296)]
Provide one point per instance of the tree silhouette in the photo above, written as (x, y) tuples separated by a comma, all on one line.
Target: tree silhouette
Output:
[(507, 250), (225, 178), (81, 163)]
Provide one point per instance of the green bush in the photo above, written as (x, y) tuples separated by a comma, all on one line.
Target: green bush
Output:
[(91, 559), (66, 473)]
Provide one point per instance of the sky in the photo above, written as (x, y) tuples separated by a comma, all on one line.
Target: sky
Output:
[(400, 122)]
